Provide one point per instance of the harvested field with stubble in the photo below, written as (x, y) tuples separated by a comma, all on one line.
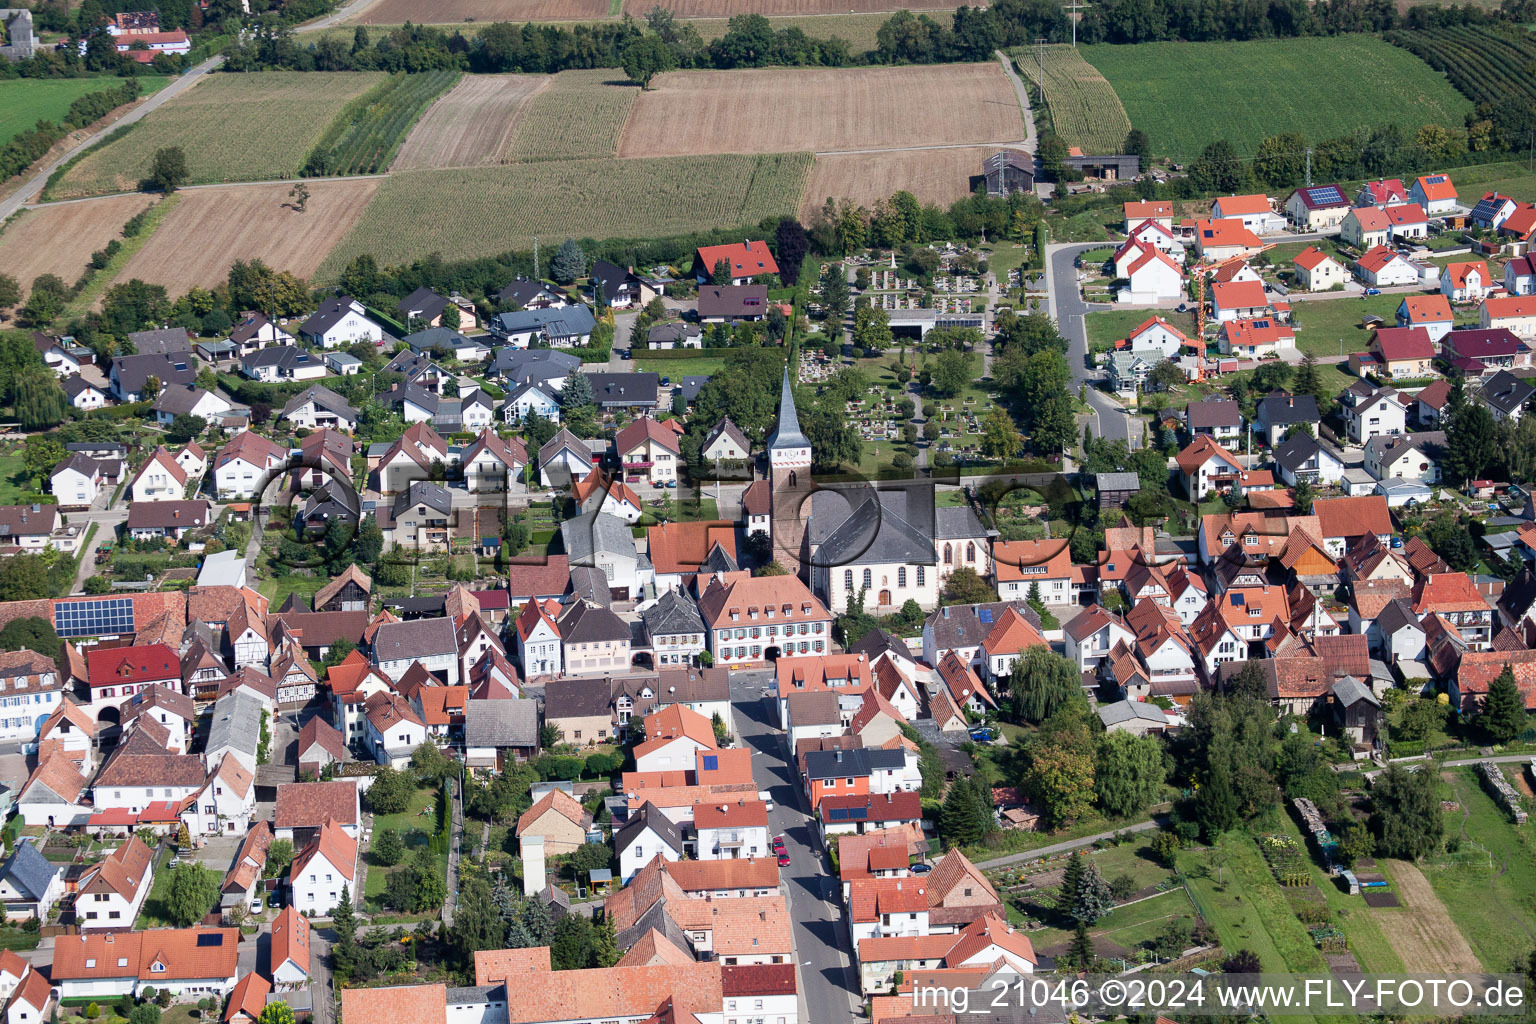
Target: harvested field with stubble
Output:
[(448, 12), (59, 239), (580, 114), (213, 227), (485, 211), (1421, 932), (822, 110), (233, 127), (472, 125), (932, 175)]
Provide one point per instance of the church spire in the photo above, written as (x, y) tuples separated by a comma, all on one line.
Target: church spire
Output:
[(786, 433)]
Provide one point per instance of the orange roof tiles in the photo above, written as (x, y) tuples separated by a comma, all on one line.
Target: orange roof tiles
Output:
[(868, 898), (1376, 259), (1427, 308), (249, 997), (1436, 186), (683, 547), (493, 966), (290, 939), (1458, 273), (1352, 517), (740, 813), (699, 876), (1011, 557), (1239, 295), (1512, 305), (561, 803), (399, 1004), (333, 843), (1201, 450), (1311, 258), (1447, 592)]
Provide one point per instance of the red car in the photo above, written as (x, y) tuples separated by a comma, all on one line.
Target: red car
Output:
[(783, 858), (780, 849)]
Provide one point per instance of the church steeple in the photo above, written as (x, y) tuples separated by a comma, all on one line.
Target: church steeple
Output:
[(786, 433)]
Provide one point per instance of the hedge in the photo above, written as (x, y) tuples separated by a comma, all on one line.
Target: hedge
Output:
[(681, 353)]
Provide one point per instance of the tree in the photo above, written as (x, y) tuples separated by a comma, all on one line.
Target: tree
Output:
[(39, 400), (834, 290), (1137, 144), (277, 1012), (1356, 842), (391, 791), (1470, 442), (1244, 961), (193, 892), (1043, 683), (1215, 803), (1218, 169), (571, 948), (645, 58), (300, 196), (871, 328), (46, 301), (569, 263), (1081, 952), (1060, 772), (1304, 493), (279, 856), (146, 1012), (1128, 775), (1165, 376), (964, 586), (477, 923), (951, 373), (1000, 438), (605, 944), (451, 317), (1406, 813), (185, 427), (431, 888), (1281, 160), (168, 168), (967, 813), (387, 848), (1091, 900), (791, 245), (1504, 708), (343, 919), (10, 292), (577, 391), (720, 274)]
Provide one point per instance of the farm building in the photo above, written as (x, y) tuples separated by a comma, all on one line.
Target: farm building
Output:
[(1009, 170), (1109, 168)]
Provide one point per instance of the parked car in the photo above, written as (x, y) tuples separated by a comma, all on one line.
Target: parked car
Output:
[(921, 869), (1373, 291)]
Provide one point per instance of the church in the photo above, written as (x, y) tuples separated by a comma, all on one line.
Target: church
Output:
[(887, 540)]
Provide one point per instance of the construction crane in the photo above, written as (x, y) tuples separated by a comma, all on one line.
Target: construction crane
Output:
[(1199, 272)]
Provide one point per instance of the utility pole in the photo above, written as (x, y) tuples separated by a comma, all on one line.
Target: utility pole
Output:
[(535, 257), (1040, 56), (1309, 167), (1072, 7)]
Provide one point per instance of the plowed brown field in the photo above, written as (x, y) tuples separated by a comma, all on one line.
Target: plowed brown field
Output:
[(59, 239), (1421, 932), (471, 125), (771, 111), (444, 12), (213, 227), (933, 175)]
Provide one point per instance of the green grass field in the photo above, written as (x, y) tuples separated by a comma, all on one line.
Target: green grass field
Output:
[(677, 369), (485, 211), (414, 825), (15, 482), (1111, 325), (1322, 325), (25, 101), (1323, 87), (277, 588), (233, 127), (1494, 908)]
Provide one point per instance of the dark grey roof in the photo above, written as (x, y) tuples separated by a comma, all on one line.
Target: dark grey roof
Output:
[(1279, 408), (1213, 412), (1506, 392), (577, 698), (477, 397), (331, 500), (284, 357), (179, 398), (1519, 594), (75, 384), (412, 364), (397, 396), (875, 533), (477, 994), (1429, 442), (437, 339), (501, 723), (422, 302), (569, 322), (719, 560), (786, 432), (162, 342), (859, 761), (589, 584), (1350, 690), (673, 613), (877, 641), (523, 290), (29, 871), (1292, 453), (729, 429), (673, 332), (531, 385), (690, 387), (449, 416), (423, 492), (612, 278), (1132, 710), (414, 640), (583, 623), (594, 532), (967, 625), (324, 398), (624, 389), (524, 364), (955, 522), (331, 312), (564, 439), (1396, 616), (733, 300), (133, 371), (649, 816)]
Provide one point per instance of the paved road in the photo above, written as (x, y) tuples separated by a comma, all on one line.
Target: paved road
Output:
[(822, 944), (1066, 306), (107, 522), (13, 202), (1071, 844)]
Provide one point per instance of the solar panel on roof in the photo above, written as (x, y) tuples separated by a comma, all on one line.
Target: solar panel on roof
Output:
[(1325, 194), (984, 614), (103, 617), (1435, 179), (1261, 323), (211, 939), (1237, 600), (711, 762)]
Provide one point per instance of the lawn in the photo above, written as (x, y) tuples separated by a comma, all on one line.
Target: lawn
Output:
[(1128, 926), (1320, 86), (1112, 325), (677, 369), (415, 825), (1494, 909), (25, 101), (277, 588), (1330, 328), (14, 479)]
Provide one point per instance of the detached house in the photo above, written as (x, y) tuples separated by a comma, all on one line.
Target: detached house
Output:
[(1436, 193), (1254, 212), (1404, 352), (1369, 412), (558, 327), (1467, 281), (326, 865), (111, 892), (244, 464), (1515, 313), (1238, 300), (745, 261), (1431, 312), (317, 407), (1317, 208), (340, 320), (1316, 271), (649, 452), (1206, 466), (1381, 267), (161, 478)]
